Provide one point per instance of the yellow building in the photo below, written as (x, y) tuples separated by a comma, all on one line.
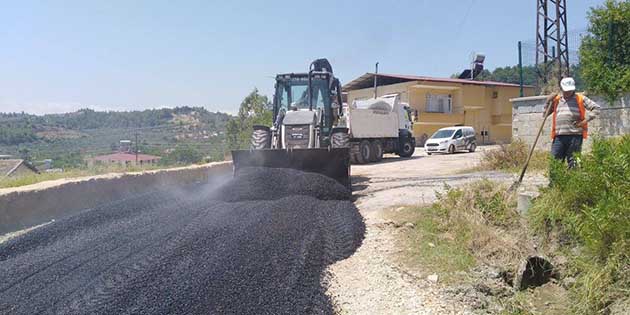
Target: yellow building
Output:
[(443, 102)]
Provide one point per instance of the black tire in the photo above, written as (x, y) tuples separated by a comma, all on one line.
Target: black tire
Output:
[(428, 153), (451, 149), (377, 151), (354, 154), (261, 138), (340, 138), (472, 148), (365, 150), (407, 148)]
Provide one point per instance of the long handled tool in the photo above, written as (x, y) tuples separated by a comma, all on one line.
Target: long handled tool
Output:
[(531, 151)]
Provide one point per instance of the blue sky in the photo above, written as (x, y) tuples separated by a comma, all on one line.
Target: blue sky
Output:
[(58, 56)]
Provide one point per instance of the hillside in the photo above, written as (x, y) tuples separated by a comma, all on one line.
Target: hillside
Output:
[(69, 138)]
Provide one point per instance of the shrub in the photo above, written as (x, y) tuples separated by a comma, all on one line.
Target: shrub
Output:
[(590, 207)]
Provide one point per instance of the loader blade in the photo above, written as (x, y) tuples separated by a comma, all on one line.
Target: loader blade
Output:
[(334, 163)]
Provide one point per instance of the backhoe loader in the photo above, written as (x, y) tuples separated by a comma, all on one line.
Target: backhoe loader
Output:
[(306, 133)]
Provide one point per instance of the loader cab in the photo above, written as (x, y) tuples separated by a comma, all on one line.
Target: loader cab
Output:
[(292, 94)]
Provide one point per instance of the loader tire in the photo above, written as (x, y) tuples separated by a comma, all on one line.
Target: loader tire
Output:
[(340, 138), (365, 152), (261, 138), (354, 153), (377, 151)]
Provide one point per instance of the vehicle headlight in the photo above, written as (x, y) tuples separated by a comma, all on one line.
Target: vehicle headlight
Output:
[(443, 142)]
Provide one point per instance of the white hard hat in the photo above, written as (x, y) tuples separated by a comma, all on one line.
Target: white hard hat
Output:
[(567, 84)]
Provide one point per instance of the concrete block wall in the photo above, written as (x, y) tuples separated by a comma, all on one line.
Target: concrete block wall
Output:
[(27, 206), (527, 116)]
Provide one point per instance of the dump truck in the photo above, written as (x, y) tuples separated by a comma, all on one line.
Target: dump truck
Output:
[(306, 133), (377, 126)]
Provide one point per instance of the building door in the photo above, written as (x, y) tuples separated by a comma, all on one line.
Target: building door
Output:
[(471, 118)]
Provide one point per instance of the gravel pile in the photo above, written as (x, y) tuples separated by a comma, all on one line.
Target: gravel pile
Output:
[(270, 184), (190, 252)]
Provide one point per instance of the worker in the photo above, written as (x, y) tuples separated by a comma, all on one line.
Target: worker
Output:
[(571, 114)]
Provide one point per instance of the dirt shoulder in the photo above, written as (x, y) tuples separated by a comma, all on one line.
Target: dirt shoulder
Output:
[(372, 280), (62, 181)]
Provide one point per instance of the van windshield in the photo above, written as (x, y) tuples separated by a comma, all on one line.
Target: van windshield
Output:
[(442, 134)]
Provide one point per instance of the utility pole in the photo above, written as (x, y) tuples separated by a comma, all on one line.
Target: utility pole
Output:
[(552, 44), (520, 68), (375, 80), (136, 148)]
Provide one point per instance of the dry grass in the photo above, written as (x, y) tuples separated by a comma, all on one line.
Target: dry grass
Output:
[(511, 157), (473, 225)]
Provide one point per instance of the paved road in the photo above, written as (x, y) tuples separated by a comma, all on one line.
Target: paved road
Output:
[(194, 251)]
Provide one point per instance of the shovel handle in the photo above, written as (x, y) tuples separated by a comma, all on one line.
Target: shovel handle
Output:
[(531, 151)]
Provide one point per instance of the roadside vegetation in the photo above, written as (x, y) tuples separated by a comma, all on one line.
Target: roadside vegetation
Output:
[(588, 211), (581, 223), (255, 109), (463, 228)]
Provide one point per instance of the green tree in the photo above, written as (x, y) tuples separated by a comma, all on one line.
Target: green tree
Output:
[(183, 154), (604, 53), (508, 74), (255, 109)]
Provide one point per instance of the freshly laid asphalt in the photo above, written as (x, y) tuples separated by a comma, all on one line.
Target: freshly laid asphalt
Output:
[(258, 244)]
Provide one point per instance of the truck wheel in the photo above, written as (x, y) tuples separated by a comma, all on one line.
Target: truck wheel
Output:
[(377, 151), (340, 138), (472, 148), (451, 149), (261, 138), (406, 148), (365, 150)]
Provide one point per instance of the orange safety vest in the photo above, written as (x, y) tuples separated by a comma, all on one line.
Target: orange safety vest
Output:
[(580, 102)]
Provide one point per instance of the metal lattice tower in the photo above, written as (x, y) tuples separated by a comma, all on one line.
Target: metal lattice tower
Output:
[(552, 47)]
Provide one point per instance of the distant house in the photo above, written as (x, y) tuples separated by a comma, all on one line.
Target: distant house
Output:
[(16, 168), (124, 159), (444, 102)]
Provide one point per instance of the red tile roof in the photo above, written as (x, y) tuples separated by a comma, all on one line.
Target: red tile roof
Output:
[(367, 80), (123, 156)]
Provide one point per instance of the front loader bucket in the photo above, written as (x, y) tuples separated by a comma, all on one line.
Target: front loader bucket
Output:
[(334, 163)]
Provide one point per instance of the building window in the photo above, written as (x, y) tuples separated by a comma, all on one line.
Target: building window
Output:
[(439, 103)]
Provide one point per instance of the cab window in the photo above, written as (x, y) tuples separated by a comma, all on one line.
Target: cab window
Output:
[(458, 134)]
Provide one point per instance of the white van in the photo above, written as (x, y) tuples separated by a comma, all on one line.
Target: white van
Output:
[(452, 139)]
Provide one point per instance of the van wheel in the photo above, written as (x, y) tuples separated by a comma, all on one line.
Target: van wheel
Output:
[(365, 150), (428, 153), (377, 151), (472, 148), (451, 149)]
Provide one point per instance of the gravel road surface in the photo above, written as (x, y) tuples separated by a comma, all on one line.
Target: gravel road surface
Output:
[(257, 245)]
